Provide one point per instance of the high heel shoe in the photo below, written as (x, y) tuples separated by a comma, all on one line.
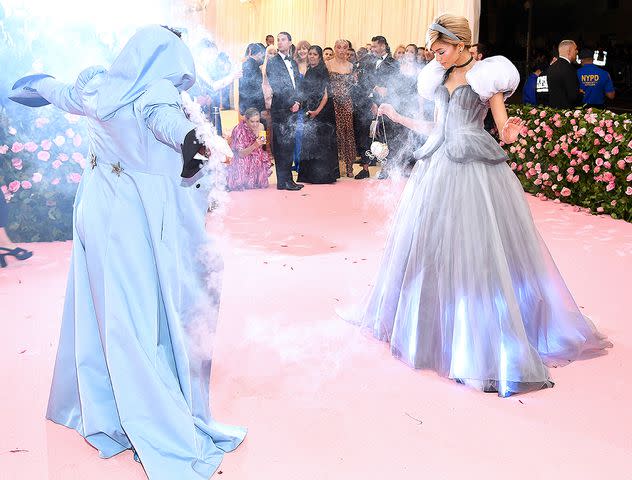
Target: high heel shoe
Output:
[(18, 253)]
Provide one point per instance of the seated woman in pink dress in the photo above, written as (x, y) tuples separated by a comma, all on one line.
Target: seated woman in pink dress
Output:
[(250, 167)]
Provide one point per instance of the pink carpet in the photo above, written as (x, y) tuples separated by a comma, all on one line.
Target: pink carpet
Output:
[(321, 400)]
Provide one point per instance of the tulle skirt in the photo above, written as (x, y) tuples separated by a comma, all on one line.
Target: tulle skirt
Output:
[(468, 288)]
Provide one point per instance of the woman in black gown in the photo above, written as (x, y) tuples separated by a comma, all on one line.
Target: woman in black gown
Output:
[(319, 155)]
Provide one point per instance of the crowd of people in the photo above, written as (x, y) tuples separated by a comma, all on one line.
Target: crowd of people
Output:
[(316, 107), (317, 110), (568, 79)]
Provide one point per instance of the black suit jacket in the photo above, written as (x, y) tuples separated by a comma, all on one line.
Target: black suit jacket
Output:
[(284, 94), (250, 91), (563, 85), (386, 75)]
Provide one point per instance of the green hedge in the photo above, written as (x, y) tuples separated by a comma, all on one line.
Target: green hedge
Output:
[(581, 157)]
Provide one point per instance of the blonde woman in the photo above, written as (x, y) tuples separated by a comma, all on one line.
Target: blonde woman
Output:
[(341, 83), (466, 286), (399, 53)]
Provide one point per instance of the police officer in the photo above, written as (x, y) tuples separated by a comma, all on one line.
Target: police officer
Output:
[(594, 83)]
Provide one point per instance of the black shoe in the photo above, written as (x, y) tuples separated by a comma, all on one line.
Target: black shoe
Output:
[(362, 174), (289, 186), (299, 185), (18, 253)]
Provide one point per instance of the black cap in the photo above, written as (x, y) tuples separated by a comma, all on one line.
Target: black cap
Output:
[(586, 53)]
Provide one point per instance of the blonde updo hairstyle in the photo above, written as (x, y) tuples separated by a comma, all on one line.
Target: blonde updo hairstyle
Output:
[(457, 25)]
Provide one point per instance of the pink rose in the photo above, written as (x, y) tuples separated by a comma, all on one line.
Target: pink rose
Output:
[(565, 192), (30, 146), (608, 177), (558, 124), (43, 156), (542, 114), (17, 163), (599, 209), (573, 121), (613, 203), (26, 185), (606, 155), (570, 170), (599, 162), (559, 177), (609, 187), (586, 168), (46, 144), (56, 164), (77, 157), (597, 142), (59, 140), (37, 177), (615, 150), (76, 141), (72, 118), (55, 181), (14, 186), (5, 189), (4, 149), (621, 164), (628, 191), (575, 178), (608, 138), (513, 165), (17, 147), (607, 164), (545, 176), (596, 169), (537, 181), (629, 178), (41, 121), (74, 178), (62, 157)]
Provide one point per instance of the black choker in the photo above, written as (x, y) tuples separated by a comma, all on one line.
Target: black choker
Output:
[(465, 64)]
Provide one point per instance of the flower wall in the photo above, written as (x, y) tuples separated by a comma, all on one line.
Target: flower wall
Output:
[(581, 157), (42, 157)]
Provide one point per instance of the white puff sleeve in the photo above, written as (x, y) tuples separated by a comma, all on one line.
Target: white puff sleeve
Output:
[(493, 75), (430, 77)]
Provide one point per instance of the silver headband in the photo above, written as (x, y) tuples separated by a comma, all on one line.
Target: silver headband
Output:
[(441, 29)]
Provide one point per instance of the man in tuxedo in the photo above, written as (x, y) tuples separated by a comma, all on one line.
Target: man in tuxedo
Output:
[(386, 90), (380, 81), (562, 77), (282, 73)]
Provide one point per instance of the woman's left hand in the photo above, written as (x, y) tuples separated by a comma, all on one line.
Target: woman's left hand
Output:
[(511, 130)]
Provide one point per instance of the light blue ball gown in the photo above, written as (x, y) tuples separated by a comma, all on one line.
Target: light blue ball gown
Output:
[(466, 286), (134, 356)]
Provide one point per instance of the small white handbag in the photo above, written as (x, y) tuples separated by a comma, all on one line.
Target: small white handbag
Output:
[(378, 150)]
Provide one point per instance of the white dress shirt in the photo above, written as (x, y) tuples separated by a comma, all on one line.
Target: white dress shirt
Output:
[(380, 60), (287, 60)]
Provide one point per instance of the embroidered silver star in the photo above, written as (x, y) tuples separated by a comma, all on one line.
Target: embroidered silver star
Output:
[(93, 160), (116, 168)]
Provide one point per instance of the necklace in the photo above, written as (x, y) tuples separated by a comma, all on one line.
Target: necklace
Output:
[(465, 64)]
